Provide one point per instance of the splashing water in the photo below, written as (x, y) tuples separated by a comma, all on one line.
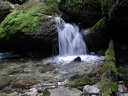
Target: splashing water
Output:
[(70, 39)]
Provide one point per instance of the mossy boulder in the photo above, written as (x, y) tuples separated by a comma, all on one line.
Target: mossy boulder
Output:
[(85, 11), (109, 74), (30, 27), (98, 36), (81, 80)]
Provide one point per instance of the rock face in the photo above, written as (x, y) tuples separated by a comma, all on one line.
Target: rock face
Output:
[(28, 28)]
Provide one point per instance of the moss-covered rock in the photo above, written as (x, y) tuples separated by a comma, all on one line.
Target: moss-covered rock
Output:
[(30, 27), (98, 36), (81, 80), (109, 74), (46, 93), (86, 11)]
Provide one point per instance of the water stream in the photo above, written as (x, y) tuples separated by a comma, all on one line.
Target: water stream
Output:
[(55, 68), (71, 43), (70, 39)]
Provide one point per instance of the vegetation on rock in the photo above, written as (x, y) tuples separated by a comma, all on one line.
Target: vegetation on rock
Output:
[(26, 17), (109, 75)]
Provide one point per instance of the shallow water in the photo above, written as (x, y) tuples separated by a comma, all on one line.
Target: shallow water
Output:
[(53, 69)]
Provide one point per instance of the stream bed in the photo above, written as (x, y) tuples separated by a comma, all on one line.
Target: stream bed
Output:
[(44, 71)]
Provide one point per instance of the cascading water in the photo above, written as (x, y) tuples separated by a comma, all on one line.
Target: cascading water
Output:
[(70, 40), (71, 44)]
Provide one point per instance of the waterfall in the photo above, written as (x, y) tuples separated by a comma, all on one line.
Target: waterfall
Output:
[(70, 39)]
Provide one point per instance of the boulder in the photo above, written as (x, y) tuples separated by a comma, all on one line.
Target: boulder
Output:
[(30, 28), (85, 11)]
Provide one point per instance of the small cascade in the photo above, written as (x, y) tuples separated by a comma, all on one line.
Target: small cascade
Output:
[(70, 39)]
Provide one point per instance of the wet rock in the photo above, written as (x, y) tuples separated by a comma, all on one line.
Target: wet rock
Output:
[(77, 59), (123, 94), (64, 91), (4, 81), (49, 85), (12, 94), (25, 82), (33, 92), (46, 69), (64, 82), (90, 89)]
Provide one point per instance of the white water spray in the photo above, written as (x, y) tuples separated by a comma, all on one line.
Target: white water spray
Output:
[(70, 39)]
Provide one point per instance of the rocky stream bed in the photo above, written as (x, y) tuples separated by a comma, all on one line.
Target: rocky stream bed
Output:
[(40, 77)]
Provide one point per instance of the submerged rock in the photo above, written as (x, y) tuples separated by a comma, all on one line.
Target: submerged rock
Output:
[(4, 81), (24, 82)]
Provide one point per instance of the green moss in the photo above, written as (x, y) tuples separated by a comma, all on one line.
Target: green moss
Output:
[(110, 67), (81, 81), (107, 86), (122, 70), (26, 18), (110, 54), (46, 93), (100, 24), (109, 76), (75, 76)]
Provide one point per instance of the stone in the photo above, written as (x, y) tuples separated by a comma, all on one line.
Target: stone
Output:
[(24, 82)]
